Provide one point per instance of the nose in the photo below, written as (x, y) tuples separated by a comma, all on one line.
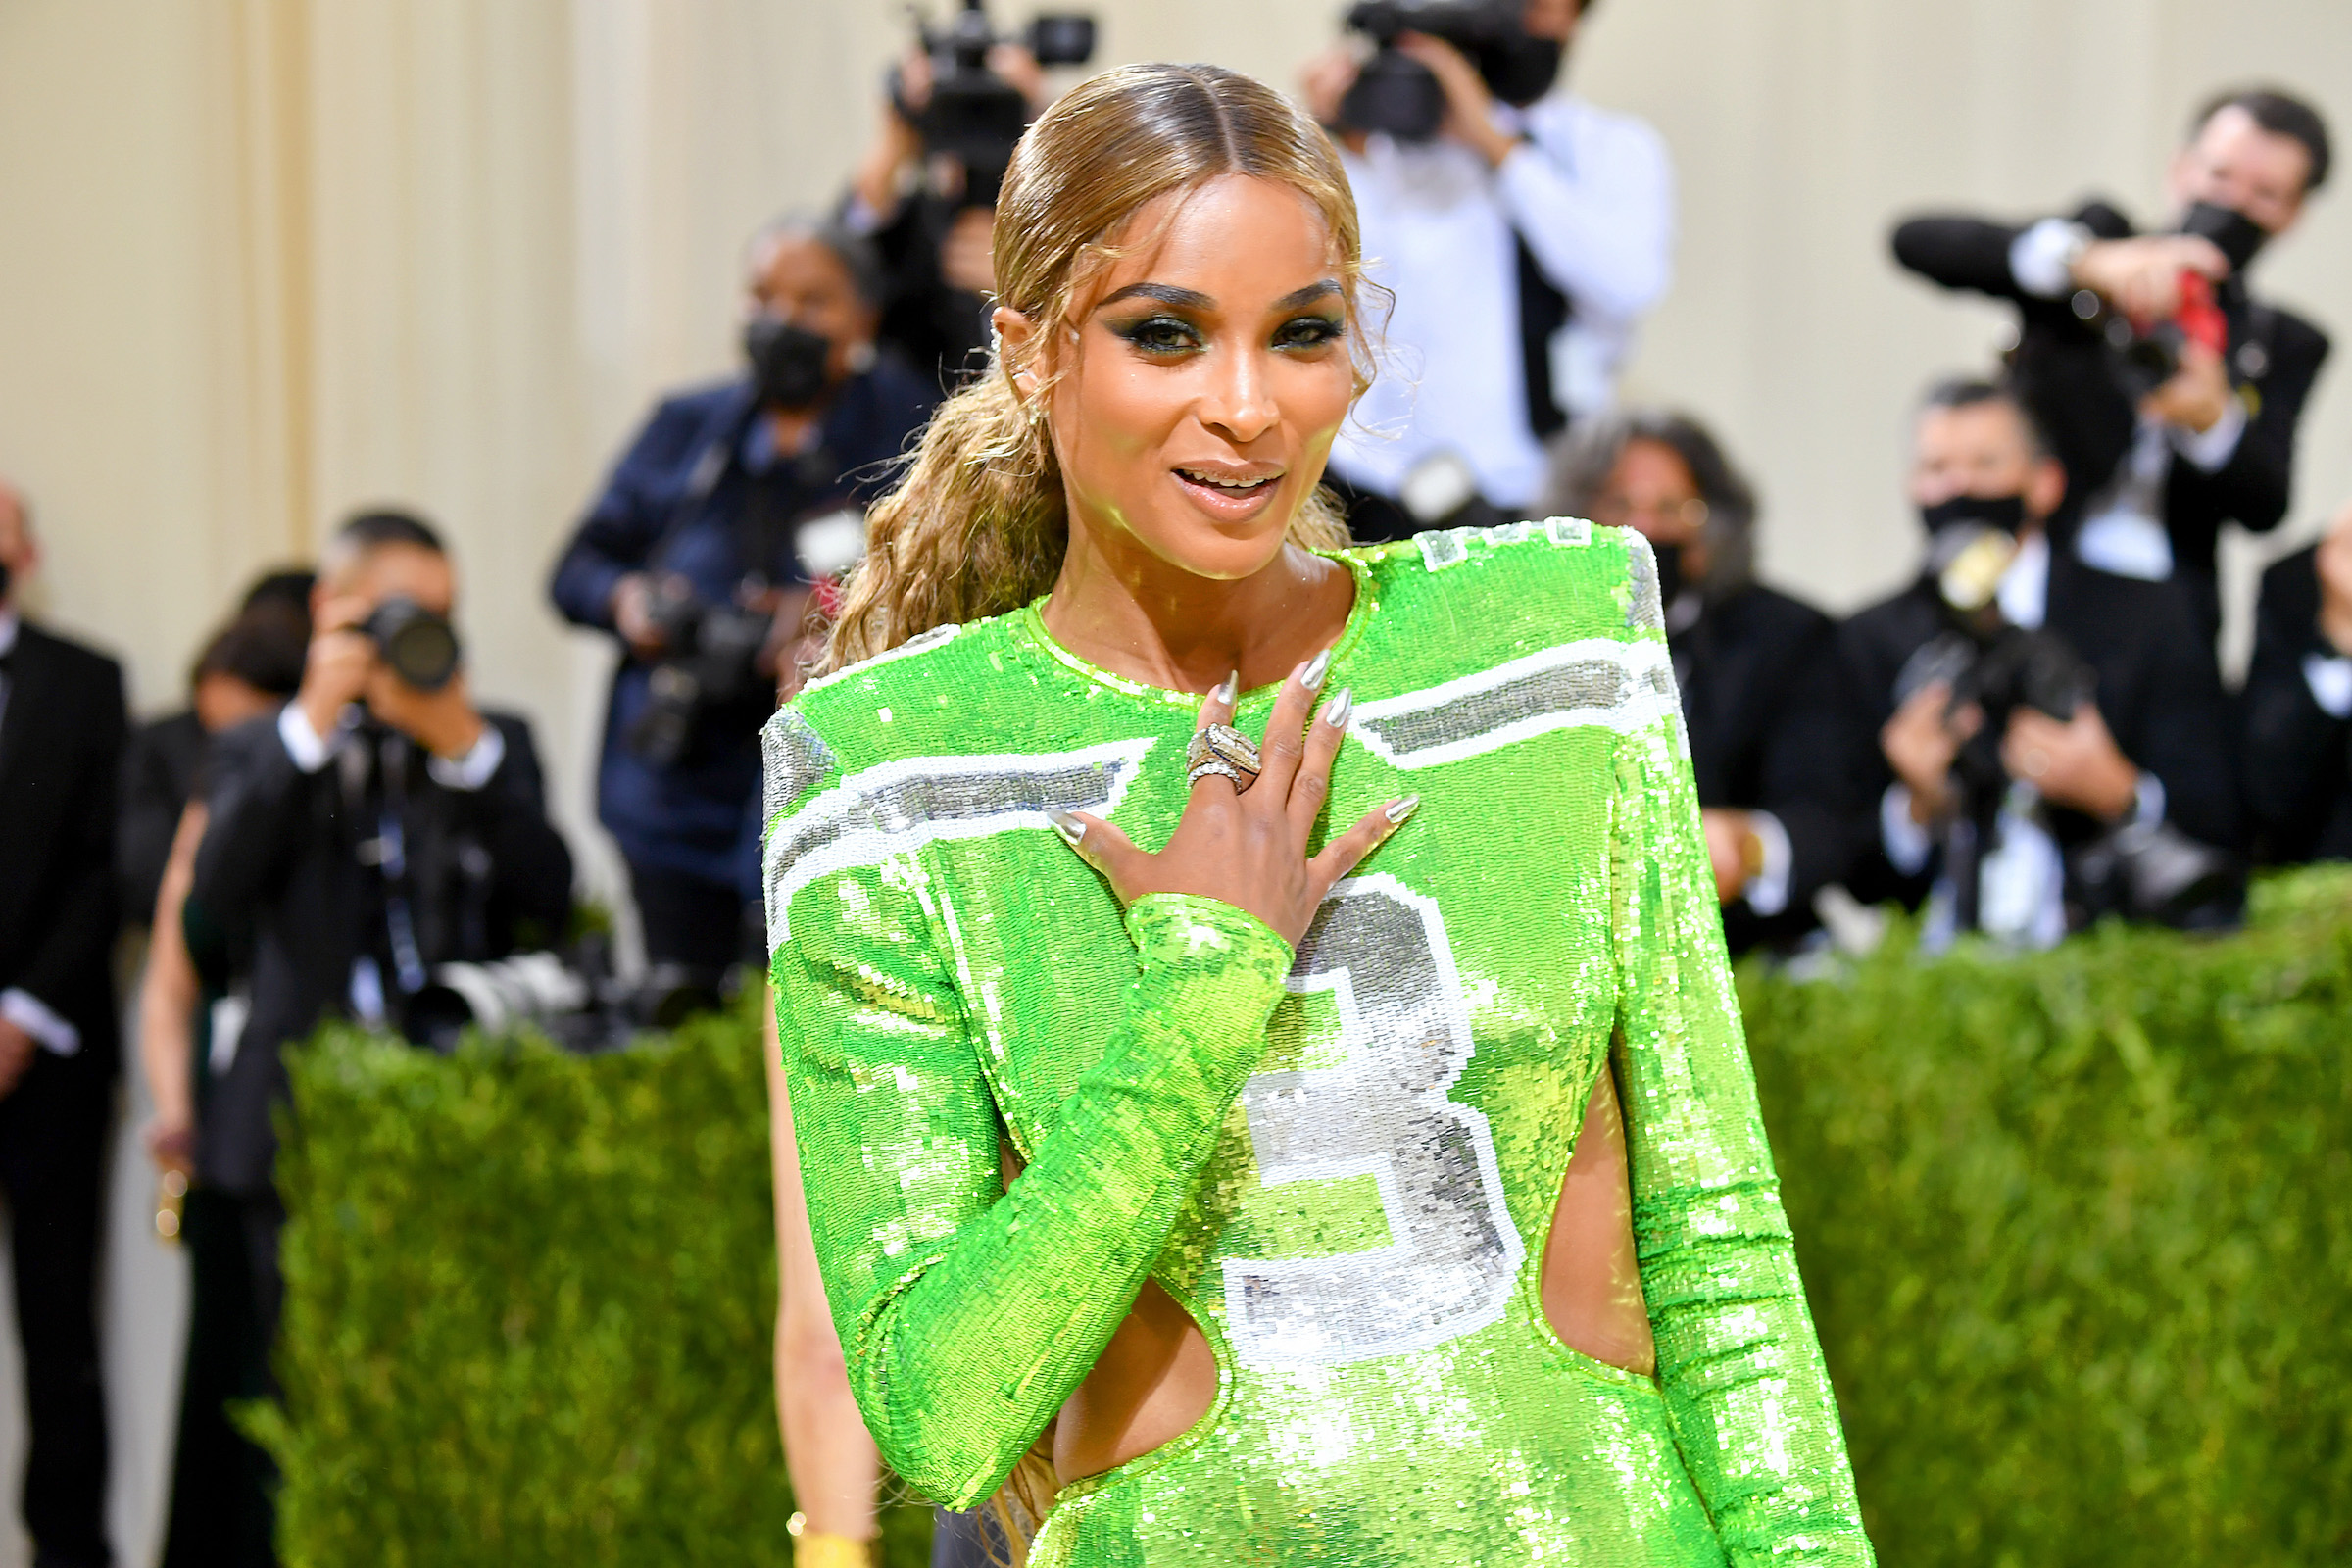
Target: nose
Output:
[(1239, 403)]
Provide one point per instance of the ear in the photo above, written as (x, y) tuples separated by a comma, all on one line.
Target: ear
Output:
[(1016, 339), (2045, 487)]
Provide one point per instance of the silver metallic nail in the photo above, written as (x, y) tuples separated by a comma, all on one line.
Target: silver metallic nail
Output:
[(1398, 811), (1067, 825), (1312, 677), (1336, 711), (1225, 689)]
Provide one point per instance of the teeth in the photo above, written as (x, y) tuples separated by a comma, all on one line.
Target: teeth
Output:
[(1197, 477)]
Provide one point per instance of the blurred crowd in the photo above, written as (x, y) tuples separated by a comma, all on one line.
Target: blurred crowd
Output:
[(2032, 735)]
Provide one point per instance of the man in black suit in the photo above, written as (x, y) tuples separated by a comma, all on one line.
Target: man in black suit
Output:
[(2298, 704), (60, 742), (371, 831), (1992, 815), (2155, 466), (1758, 670)]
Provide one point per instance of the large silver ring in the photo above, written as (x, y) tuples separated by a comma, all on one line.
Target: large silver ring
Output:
[(1219, 767), (1222, 743)]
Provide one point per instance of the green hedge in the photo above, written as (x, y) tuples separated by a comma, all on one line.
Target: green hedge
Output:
[(530, 1309), (2078, 1230)]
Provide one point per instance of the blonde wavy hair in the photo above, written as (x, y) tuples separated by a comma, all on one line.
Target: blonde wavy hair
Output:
[(977, 524)]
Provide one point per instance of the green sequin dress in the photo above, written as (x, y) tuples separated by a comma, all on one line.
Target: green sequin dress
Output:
[(1342, 1161)]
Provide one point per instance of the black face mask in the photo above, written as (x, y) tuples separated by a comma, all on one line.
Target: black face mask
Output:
[(2005, 512), (2234, 235), (788, 362), (1521, 69)]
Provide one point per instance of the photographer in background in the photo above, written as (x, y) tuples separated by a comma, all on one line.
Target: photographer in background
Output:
[(930, 211), (377, 827), (2298, 704), (2170, 393), (2053, 742), (699, 556), (1524, 233), (61, 743), (1757, 670)]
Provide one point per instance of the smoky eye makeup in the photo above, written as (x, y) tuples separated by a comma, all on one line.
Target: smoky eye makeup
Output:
[(1156, 333), (1319, 329)]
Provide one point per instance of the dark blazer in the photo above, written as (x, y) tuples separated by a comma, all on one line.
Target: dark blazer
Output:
[(282, 858), (677, 502), (158, 775), (61, 748), (2156, 689), (2299, 756), (2065, 373), (1760, 687)]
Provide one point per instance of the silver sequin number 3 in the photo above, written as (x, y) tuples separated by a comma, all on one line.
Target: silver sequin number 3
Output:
[(1380, 949)]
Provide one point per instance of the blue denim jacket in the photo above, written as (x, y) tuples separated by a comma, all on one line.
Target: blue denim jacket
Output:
[(675, 503)]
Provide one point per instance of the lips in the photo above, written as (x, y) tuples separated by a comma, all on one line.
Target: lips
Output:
[(1229, 493), (1243, 481)]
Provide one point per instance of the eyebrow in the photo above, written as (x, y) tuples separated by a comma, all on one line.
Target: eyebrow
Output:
[(1189, 299)]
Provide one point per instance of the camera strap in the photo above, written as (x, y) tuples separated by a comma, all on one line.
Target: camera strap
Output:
[(711, 466), (381, 802), (762, 525)]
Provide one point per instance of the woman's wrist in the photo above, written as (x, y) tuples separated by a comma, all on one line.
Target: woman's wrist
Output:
[(1185, 927), (813, 1548)]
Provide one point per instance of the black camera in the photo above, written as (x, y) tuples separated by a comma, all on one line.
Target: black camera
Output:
[(710, 665), (2000, 671), (416, 645), (1396, 94), (2137, 872), (973, 115), (2143, 356)]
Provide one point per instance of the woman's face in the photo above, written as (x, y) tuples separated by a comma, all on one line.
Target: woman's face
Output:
[(1652, 491), (1202, 379)]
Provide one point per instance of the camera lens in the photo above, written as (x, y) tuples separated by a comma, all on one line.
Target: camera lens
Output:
[(420, 647)]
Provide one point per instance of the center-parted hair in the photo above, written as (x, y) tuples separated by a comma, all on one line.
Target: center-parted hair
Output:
[(976, 525)]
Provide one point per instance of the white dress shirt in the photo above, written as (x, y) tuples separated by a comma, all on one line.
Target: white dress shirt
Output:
[(311, 750), (1592, 192), (2329, 677)]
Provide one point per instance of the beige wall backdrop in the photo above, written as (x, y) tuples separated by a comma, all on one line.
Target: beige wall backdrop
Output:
[(267, 260), (271, 259)]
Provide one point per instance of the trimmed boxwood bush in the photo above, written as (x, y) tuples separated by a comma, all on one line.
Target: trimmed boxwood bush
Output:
[(2078, 1233), (530, 1309), (2076, 1226)]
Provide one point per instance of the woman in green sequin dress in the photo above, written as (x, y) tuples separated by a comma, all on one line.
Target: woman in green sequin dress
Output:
[(1370, 1171)]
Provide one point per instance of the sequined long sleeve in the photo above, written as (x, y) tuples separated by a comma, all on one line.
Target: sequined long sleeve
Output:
[(1747, 1390), (970, 1310)]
